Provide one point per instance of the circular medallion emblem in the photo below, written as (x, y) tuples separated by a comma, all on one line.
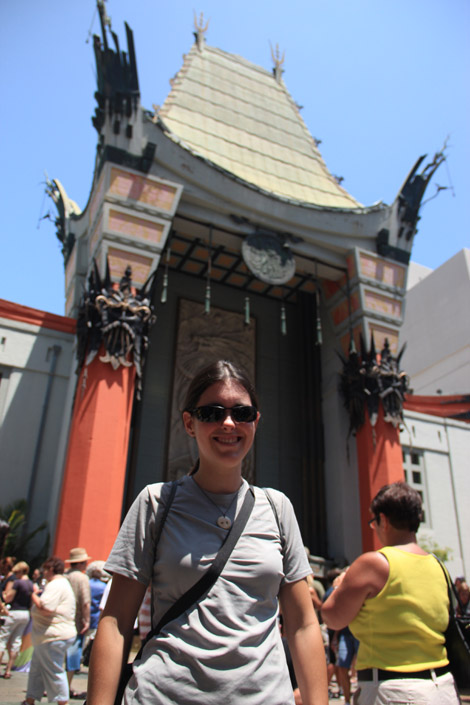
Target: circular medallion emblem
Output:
[(268, 258)]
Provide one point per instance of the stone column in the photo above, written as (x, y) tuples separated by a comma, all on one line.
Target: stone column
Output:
[(123, 232), (368, 305), (95, 469)]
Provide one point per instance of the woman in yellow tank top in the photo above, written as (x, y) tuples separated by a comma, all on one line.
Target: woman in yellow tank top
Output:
[(395, 602)]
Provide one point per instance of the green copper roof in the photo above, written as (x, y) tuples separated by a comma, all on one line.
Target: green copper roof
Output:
[(238, 116)]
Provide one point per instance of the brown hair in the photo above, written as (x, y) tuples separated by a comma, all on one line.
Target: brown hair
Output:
[(401, 504), (56, 564), (8, 562), (217, 372)]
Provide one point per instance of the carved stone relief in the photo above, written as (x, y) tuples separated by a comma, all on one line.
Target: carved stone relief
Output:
[(202, 339)]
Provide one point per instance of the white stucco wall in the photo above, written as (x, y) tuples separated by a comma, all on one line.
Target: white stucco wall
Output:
[(436, 329), (445, 448), (26, 354)]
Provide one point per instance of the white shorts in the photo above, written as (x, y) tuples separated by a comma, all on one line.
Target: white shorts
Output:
[(12, 630), (439, 690)]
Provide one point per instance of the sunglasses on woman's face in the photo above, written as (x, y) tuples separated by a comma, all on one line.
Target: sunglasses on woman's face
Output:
[(214, 413)]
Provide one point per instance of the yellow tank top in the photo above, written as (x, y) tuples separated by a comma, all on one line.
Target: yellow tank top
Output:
[(401, 629)]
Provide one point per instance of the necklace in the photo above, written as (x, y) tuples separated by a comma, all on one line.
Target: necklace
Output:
[(223, 522)]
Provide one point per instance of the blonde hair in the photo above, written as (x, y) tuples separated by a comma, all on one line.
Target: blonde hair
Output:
[(21, 567)]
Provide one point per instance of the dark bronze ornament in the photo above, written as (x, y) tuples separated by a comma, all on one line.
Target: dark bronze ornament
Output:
[(368, 380), (116, 318), (117, 92), (269, 258)]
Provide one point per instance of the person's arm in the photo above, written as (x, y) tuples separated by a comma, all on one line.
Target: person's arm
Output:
[(113, 639), (37, 602), (316, 602), (364, 579), (9, 593), (85, 618), (305, 642)]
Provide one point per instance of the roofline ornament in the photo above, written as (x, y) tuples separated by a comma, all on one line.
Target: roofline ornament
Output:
[(118, 91), (395, 240), (278, 62), (201, 30), (67, 210)]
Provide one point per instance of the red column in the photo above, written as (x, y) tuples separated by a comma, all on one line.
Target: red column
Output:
[(95, 470), (379, 464)]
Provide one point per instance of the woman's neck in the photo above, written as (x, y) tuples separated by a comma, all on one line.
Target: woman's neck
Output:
[(218, 482), (405, 541)]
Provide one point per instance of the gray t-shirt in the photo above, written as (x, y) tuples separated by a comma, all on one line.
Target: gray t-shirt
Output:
[(227, 647)]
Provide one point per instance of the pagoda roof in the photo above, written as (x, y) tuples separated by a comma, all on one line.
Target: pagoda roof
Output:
[(241, 118)]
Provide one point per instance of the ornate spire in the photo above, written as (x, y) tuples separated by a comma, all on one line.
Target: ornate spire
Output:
[(118, 84), (201, 30), (66, 211), (278, 62)]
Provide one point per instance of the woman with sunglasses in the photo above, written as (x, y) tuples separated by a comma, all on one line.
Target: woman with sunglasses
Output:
[(395, 602), (226, 648)]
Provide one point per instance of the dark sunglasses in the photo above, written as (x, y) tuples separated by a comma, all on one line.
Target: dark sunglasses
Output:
[(214, 413)]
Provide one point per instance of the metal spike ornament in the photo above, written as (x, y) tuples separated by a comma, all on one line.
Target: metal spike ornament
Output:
[(319, 333), (164, 296), (283, 320), (247, 310), (207, 301)]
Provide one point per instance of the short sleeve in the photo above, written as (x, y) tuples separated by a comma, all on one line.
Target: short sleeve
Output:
[(51, 596), (133, 552), (296, 564)]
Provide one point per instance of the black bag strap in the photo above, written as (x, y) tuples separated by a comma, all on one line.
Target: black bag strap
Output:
[(278, 519), (168, 503), (166, 509), (454, 598), (212, 573)]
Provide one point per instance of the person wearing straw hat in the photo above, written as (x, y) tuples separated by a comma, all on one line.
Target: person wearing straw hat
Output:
[(78, 559)]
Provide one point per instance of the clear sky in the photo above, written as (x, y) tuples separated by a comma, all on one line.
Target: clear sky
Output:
[(381, 83)]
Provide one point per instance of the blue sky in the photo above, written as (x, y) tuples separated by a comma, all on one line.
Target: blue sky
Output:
[(381, 83)]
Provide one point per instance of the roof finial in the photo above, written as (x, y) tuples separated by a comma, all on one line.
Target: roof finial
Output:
[(200, 32), (278, 61), (105, 18)]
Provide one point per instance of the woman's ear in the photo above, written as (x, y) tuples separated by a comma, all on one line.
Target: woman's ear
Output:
[(188, 424), (384, 521)]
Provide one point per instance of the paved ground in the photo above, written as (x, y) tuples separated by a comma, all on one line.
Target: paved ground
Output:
[(13, 691)]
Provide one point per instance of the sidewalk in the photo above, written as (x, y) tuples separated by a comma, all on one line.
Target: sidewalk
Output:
[(13, 691)]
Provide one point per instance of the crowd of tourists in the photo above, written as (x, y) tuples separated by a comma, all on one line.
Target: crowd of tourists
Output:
[(47, 619), (224, 585)]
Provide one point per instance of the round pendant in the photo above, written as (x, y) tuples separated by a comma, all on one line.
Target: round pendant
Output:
[(224, 522)]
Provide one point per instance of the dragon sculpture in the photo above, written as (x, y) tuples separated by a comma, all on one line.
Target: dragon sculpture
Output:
[(116, 319), (369, 379)]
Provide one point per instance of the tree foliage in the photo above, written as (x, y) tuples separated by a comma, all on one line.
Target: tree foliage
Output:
[(22, 544), (427, 542)]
